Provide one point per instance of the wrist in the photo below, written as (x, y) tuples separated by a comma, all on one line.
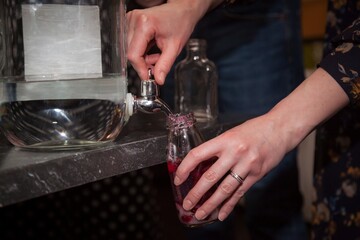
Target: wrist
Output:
[(288, 130), (314, 101)]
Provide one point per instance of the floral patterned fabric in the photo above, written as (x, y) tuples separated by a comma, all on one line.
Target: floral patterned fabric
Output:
[(341, 63), (336, 207)]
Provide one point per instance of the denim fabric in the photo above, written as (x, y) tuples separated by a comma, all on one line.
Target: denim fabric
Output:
[(257, 49)]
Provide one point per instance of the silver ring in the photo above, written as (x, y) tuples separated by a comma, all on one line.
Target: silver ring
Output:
[(236, 176)]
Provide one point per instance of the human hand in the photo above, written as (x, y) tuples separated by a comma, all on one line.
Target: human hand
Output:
[(169, 27), (250, 150), (253, 148)]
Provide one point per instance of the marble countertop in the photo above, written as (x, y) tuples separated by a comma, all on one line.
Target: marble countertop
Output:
[(28, 174)]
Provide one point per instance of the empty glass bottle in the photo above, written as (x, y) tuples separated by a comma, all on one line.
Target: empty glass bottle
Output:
[(196, 80), (183, 136)]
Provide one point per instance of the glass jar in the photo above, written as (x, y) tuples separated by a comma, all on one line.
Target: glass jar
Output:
[(183, 136), (196, 80), (62, 72)]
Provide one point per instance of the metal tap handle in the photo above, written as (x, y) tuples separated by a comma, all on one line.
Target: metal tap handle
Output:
[(149, 102), (150, 74), (149, 88)]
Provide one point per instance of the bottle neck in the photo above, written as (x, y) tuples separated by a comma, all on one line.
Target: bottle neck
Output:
[(196, 49), (180, 121)]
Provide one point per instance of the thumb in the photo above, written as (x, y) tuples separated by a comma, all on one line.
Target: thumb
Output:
[(165, 62)]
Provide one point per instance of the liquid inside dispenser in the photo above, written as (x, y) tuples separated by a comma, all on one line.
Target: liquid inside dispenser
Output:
[(63, 79)]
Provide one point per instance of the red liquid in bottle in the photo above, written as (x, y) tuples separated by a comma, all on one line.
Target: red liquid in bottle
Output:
[(183, 136)]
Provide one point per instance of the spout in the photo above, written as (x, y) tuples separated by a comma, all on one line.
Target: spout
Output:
[(149, 102), (152, 106)]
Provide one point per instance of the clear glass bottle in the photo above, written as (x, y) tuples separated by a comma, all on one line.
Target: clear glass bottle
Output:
[(183, 136), (196, 80)]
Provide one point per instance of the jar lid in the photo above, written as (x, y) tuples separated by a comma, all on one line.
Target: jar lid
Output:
[(180, 120)]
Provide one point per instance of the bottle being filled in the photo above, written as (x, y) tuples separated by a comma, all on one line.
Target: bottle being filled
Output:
[(183, 136), (196, 80)]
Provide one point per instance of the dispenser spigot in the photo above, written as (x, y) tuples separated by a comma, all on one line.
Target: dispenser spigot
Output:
[(149, 88), (148, 102)]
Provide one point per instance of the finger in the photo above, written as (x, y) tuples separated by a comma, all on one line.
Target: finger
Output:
[(152, 59), (224, 191), (228, 206), (230, 203), (197, 155), (167, 58), (209, 178), (138, 44)]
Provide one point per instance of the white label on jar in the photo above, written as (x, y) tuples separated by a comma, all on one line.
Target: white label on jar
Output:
[(61, 41)]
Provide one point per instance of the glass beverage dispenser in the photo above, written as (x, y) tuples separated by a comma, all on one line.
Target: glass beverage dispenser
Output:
[(63, 80)]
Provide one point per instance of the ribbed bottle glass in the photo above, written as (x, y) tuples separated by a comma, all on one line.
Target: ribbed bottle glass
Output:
[(196, 80), (183, 136)]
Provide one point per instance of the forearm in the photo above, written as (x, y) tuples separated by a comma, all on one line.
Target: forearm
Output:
[(315, 100)]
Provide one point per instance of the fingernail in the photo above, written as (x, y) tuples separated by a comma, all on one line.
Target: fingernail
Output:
[(176, 180), (222, 216), (187, 205), (200, 214)]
